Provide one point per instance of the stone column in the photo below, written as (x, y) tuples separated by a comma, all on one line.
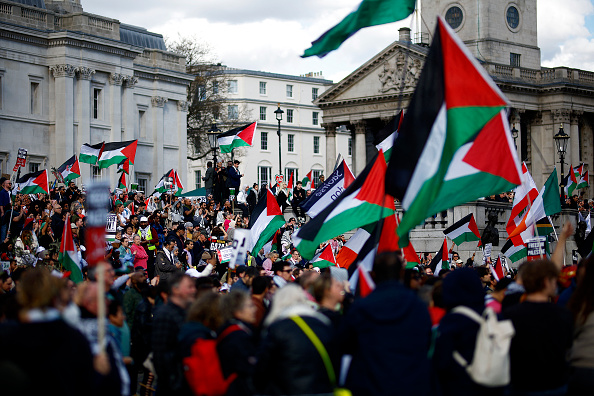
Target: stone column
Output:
[(85, 75), (115, 117), (574, 136), (64, 105), (182, 137), (157, 134), (537, 165), (130, 114), (330, 147), (359, 158)]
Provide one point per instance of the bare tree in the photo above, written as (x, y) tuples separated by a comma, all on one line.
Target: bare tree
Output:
[(207, 95)]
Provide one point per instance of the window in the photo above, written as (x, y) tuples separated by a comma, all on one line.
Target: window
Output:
[(289, 91), (233, 112), (215, 87), (0, 93), (35, 98), (454, 16), (263, 140), (262, 113), (314, 93), (201, 92), (350, 146), (295, 173), (264, 174), (316, 177), (513, 17), (232, 86), (96, 172), (315, 117), (198, 178), (316, 148), (262, 88), (291, 143), (142, 123), (514, 59), (142, 183), (289, 115), (96, 103), (34, 167)]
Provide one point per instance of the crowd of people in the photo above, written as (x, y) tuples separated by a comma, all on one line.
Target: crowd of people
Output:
[(277, 324)]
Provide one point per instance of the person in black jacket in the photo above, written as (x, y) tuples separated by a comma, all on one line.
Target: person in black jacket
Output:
[(298, 197), (252, 198)]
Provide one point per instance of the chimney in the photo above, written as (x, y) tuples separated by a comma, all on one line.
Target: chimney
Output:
[(404, 35)]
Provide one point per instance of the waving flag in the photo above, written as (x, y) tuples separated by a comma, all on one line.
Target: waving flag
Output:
[(265, 221), (174, 178), (116, 152), (329, 190), (440, 261), (464, 230), (122, 182), (363, 202), (454, 144), (90, 154), (514, 253), (124, 166), (70, 169), (325, 258), (572, 179), (385, 137), (33, 183), (368, 13), (308, 182), (237, 137), (584, 181), (524, 195), (68, 255), (349, 252)]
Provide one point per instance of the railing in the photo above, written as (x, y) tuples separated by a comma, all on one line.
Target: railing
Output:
[(33, 15), (547, 74), (585, 76), (507, 71), (100, 23), (527, 74), (6, 9)]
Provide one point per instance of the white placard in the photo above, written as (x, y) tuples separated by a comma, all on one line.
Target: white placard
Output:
[(225, 254), (241, 239), (487, 252), (5, 266)]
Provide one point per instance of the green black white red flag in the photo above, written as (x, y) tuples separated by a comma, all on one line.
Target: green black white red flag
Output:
[(124, 166), (385, 137), (325, 258), (68, 255), (514, 253), (464, 230), (266, 219), (454, 145), (90, 154), (170, 177), (70, 169), (237, 137), (33, 183), (115, 152), (440, 261)]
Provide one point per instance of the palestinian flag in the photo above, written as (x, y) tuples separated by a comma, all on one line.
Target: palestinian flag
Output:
[(524, 195), (173, 177), (440, 261), (546, 204), (325, 258), (290, 187), (116, 152), (68, 256), (388, 242), (124, 166), (385, 137), (454, 144), (572, 180), (363, 202), (70, 169), (308, 182), (329, 190), (237, 137), (497, 269), (410, 256), (33, 183), (366, 284), (368, 13), (349, 252), (122, 182), (584, 181), (514, 253), (266, 219), (464, 230), (90, 154)]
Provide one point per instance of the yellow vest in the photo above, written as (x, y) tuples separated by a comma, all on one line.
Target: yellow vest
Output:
[(149, 236)]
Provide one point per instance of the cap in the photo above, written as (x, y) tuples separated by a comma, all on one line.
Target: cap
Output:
[(143, 218), (188, 224), (118, 202), (459, 261)]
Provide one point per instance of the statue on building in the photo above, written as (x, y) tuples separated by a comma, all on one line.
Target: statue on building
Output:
[(491, 233)]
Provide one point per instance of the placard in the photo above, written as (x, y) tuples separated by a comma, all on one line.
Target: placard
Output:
[(216, 244), (225, 254), (487, 252), (279, 179), (111, 226), (241, 238), (21, 159), (4, 266), (536, 248)]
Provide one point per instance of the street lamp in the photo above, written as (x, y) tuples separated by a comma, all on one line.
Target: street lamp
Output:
[(514, 133), (213, 141), (279, 116), (561, 140)]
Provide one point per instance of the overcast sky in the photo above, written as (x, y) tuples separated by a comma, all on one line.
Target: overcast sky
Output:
[(269, 35)]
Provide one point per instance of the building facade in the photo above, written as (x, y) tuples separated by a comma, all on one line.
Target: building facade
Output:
[(68, 77), (502, 35), (254, 96)]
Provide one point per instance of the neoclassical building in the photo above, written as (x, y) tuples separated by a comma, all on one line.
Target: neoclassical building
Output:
[(68, 77), (502, 35)]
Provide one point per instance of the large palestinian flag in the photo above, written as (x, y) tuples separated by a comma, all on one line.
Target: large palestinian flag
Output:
[(70, 169), (329, 190), (464, 230), (68, 255), (90, 154), (454, 144), (114, 153), (325, 258), (237, 137), (174, 177), (266, 219), (385, 137), (363, 202), (33, 183)]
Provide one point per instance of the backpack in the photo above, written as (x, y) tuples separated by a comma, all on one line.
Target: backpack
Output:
[(490, 362), (202, 368)]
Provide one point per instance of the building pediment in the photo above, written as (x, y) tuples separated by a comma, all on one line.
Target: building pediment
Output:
[(396, 67)]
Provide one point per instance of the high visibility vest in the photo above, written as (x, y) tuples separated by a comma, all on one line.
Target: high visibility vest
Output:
[(149, 236)]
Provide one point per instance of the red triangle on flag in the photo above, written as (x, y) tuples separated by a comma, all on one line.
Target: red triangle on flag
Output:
[(499, 268), (75, 167), (348, 175), (366, 284), (67, 244), (474, 228), (42, 181), (130, 151), (328, 255), (493, 139), (272, 208), (247, 135), (373, 189), (388, 241)]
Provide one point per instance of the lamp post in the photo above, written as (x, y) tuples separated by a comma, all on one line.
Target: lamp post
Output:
[(279, 116), (561, 140), (213, 141), (514, 133)]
